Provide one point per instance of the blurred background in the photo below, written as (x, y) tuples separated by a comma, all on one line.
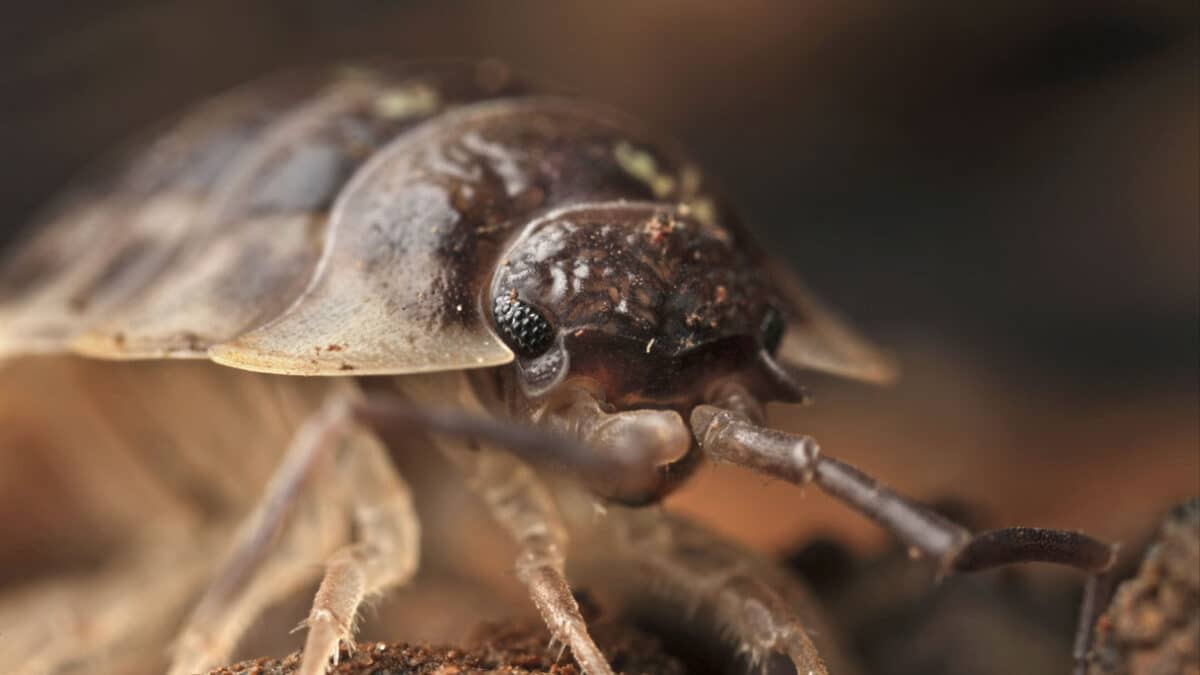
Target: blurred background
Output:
[(1005, 195)]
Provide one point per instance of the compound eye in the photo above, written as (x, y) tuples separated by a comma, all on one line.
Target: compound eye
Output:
[(771, 330), (522, 327)]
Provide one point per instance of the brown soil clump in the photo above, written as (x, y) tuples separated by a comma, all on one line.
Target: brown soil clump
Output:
[(1153, 624), (518, 648)]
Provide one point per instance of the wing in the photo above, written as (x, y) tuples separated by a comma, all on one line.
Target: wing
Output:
[(218, 226), (818, 339), (112, 237)]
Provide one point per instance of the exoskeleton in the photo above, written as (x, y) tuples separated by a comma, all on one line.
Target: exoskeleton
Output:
[(558, 297)]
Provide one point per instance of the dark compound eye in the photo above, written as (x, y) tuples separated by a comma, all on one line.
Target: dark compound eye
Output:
[(771, 330), (522, 327)]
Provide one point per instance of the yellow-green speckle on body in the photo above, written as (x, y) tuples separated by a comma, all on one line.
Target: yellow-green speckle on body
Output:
[(641, 165), (407, 101)]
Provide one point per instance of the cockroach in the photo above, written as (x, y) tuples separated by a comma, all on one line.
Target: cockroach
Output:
[(540, 284)]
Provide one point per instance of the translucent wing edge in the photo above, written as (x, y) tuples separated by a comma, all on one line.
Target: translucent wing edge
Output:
[(819, 339)]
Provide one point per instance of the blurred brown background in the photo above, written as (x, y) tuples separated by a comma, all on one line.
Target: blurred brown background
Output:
[(1004, 194)]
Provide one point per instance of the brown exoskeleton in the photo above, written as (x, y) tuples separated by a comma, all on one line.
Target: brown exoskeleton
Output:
[(534, 274)]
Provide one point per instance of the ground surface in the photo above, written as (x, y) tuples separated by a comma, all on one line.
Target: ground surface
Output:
[(514, 649), (1153, 625)]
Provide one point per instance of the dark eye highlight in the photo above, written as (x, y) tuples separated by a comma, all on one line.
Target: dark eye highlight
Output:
[(771, 331), (522, 327)]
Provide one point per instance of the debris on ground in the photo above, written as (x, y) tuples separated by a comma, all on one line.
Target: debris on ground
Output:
[(514, 648), (1152, 626)]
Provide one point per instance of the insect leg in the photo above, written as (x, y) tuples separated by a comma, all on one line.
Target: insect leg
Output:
[(385, 556), (751, 601), (729, 436), (617, 455), (523, 506), (260, 569)]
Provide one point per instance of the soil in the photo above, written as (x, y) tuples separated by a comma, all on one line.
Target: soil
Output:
[(899, 621), (1153, 624), (497, 649)]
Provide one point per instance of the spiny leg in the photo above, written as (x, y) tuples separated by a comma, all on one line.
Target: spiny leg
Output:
[(728, 434), (517, 498), (262, 567), (386, 554), (753, 603), (521, 506), (524, 507)]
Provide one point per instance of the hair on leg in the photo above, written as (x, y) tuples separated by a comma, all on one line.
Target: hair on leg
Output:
[(386, 553), (520, 503), (759, 608), (524, 507), (260, 571), (273, 552), (519, 500)]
